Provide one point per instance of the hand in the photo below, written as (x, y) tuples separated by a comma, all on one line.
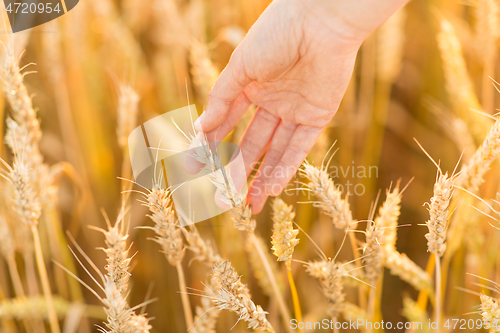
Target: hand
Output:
[(295, 64)]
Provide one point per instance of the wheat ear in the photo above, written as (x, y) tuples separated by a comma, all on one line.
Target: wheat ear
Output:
[(330, 200), (241, 214), (284, 240), (490, 311), (169, 236), (472, 174), (231, 294)]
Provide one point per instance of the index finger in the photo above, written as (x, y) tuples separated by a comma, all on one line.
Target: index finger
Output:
[(226, 89)]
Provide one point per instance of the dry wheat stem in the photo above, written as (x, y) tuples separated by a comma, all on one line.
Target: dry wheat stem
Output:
[(54, 323)]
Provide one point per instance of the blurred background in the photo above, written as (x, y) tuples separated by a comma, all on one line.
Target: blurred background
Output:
[(416, 77)]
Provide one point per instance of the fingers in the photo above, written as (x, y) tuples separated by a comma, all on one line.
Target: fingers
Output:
[(254, 144), (240, 106), (226, 89), (277, 147), (300, 144)]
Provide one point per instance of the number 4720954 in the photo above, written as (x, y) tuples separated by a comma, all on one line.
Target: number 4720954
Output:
[(25, 8), (462, 324)]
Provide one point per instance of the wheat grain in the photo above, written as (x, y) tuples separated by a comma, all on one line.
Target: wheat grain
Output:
[(203, 70), (232, 295), (353, 312), (458, 83), (414, 314), (387, 218), (206, 314), (330, 197), (284, 238), (202, 250), (330, 276), (372, 259), (400, 265), (390, 44), (472, 174), (128, 103), (168, 233), (439, 214), (490, 311)]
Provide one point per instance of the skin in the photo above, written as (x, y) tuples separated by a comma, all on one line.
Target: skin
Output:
[(294, 64)]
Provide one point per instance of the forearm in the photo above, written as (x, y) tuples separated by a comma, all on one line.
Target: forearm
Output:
[(359, 17)]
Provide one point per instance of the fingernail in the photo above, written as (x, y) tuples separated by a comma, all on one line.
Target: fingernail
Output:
[(197, 123)]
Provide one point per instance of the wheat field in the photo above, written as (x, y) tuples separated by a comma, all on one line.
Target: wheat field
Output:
[(393, 218)]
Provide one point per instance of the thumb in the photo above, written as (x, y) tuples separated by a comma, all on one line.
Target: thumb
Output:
[(226, 89)]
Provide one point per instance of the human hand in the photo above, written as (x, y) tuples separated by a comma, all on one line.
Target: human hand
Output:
[(295, 64)]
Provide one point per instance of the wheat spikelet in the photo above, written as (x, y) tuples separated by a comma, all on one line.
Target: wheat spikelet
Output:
[(206, 315), (128, 103), (372, 260), (487, 13), (121, 318), (390, 44), (455, 127), (16, 93), (330, 276), (118, 262), (7, 246), (353, 312), (31, 307), (458, 84), (439, 207), (475, 169), (202, 250), (414, 314), (490, 311), (232, 295), (387, 218), (241, 214), (26, 200), (400, 265), (284, 238), (203, 70), (330, 198), (168, 233)]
